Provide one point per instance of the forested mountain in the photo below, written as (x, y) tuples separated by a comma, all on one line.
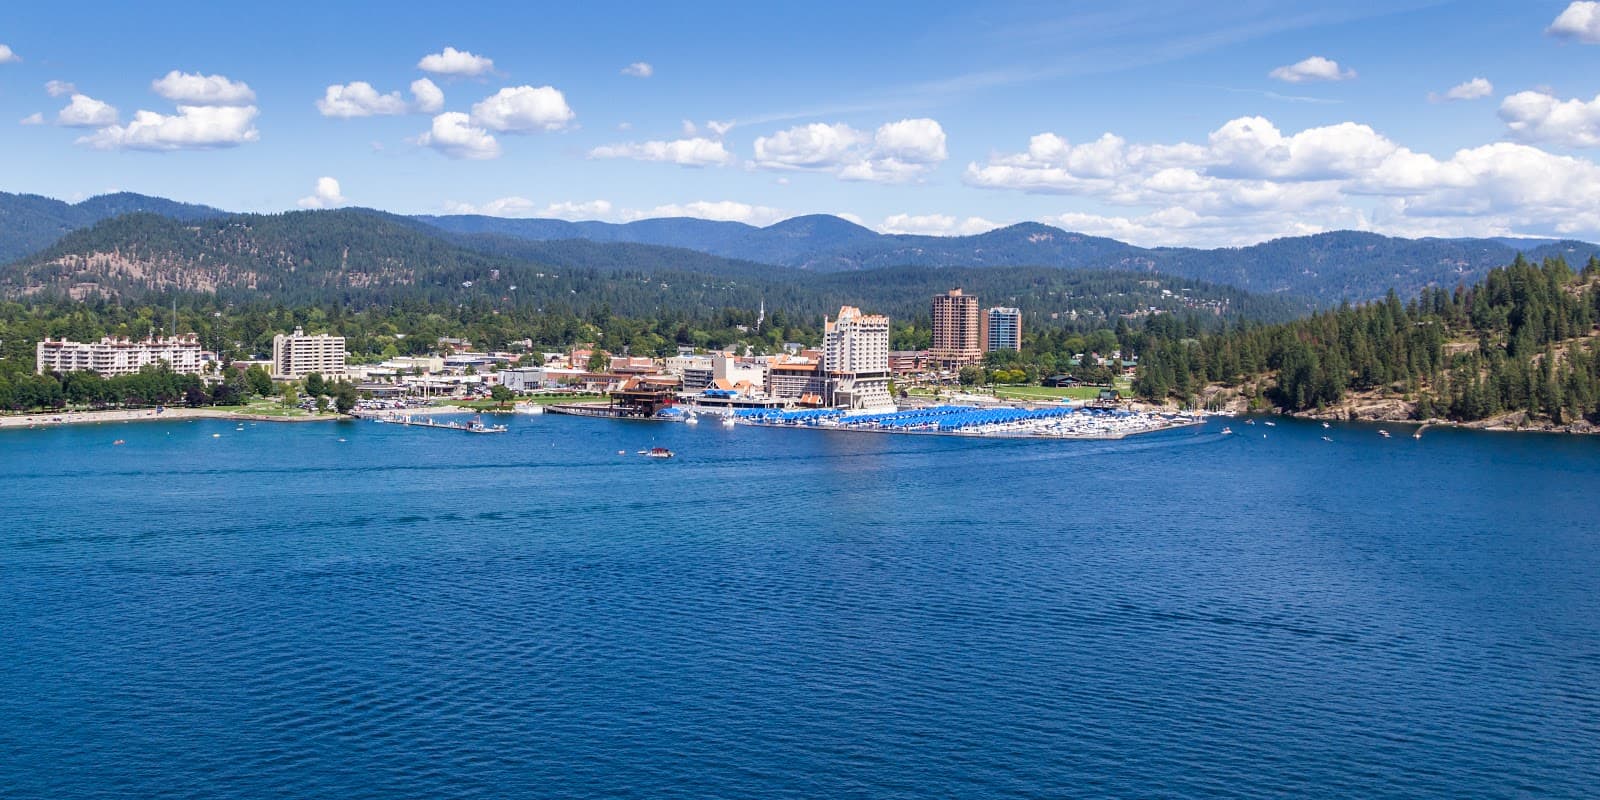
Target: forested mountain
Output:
[(1523, 342), (1325, 268), (1354, 266), (362, 258), (1328, 268), (29, 222)]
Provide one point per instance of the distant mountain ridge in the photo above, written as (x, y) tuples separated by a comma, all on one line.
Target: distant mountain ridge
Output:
[(29, 222), (1325, 268), (363, 258)]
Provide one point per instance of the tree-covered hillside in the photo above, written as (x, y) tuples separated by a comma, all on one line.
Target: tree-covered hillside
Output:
[(361, 258), (29, 223), (1523, 340), (1327, 268)]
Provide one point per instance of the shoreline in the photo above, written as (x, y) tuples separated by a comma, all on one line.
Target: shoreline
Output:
[(59, 418)]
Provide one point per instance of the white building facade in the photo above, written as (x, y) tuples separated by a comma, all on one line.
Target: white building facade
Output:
[(855, 360), (112, 356)]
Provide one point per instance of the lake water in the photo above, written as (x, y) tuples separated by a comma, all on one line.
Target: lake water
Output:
[(361, 610)]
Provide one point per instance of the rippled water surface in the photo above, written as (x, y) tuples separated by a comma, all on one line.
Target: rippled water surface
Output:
[(357, 610)]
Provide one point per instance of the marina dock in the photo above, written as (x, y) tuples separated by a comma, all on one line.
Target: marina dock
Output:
[(473, 426)]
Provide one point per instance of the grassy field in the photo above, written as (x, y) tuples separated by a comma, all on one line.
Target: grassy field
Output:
[(1047, 393), (1035, 393), (269, 407)]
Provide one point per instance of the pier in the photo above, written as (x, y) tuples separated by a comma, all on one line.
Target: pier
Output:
[(474, 426)]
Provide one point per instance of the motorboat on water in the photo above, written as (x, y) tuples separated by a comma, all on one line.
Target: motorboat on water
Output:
[(1226, 431), (1383, 433), (657, 452)]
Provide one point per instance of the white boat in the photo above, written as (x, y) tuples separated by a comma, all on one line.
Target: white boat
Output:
[(727, 422), (1227, 431), (658, 452), (1271, 424), (1325, 425), (1383, 433), (692, 420), (1326, 439)]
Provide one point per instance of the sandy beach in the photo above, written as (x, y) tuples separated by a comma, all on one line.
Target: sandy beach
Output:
[(142, 415)]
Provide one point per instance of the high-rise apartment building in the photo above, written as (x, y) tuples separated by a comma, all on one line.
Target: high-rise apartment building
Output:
[(298, 355), (1002, 329), (112, 356), (956, 331), (855, 359)]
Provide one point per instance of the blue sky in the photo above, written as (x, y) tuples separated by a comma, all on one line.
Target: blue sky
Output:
[(1163, 122)]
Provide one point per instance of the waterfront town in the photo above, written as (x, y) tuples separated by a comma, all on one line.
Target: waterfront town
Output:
[(851, 380)]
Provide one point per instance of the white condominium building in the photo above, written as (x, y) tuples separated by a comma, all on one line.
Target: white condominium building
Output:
[(855, 359), (112, 356), (298, 355)]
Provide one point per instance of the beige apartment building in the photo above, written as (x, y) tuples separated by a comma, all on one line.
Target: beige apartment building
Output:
[(297, 355), (957, 335)]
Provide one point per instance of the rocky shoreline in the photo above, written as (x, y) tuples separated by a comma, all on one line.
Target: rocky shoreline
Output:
[(1367, 408)]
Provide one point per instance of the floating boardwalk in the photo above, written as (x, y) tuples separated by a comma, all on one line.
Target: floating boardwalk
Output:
[(1004, 422), (474, 426)]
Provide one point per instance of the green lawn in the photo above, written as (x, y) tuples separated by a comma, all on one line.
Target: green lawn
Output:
[(269, 407), (1047, 393)]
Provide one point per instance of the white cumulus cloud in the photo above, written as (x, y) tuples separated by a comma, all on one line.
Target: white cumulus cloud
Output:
[(359, 99), (8, 56), (522, 207), (1315, 68), (696, 152), (192, 128), (86, 112), (896, 152), (427, 97), (36, 118), (454, 134), (325, 195), (451, 61), (1540, 117), (814, 146), (1469, 90), (1250, 180), (639, 69), (523, 109), (723, 210), (1580, 22), (936, 225), (194, 89), (59, 88)]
